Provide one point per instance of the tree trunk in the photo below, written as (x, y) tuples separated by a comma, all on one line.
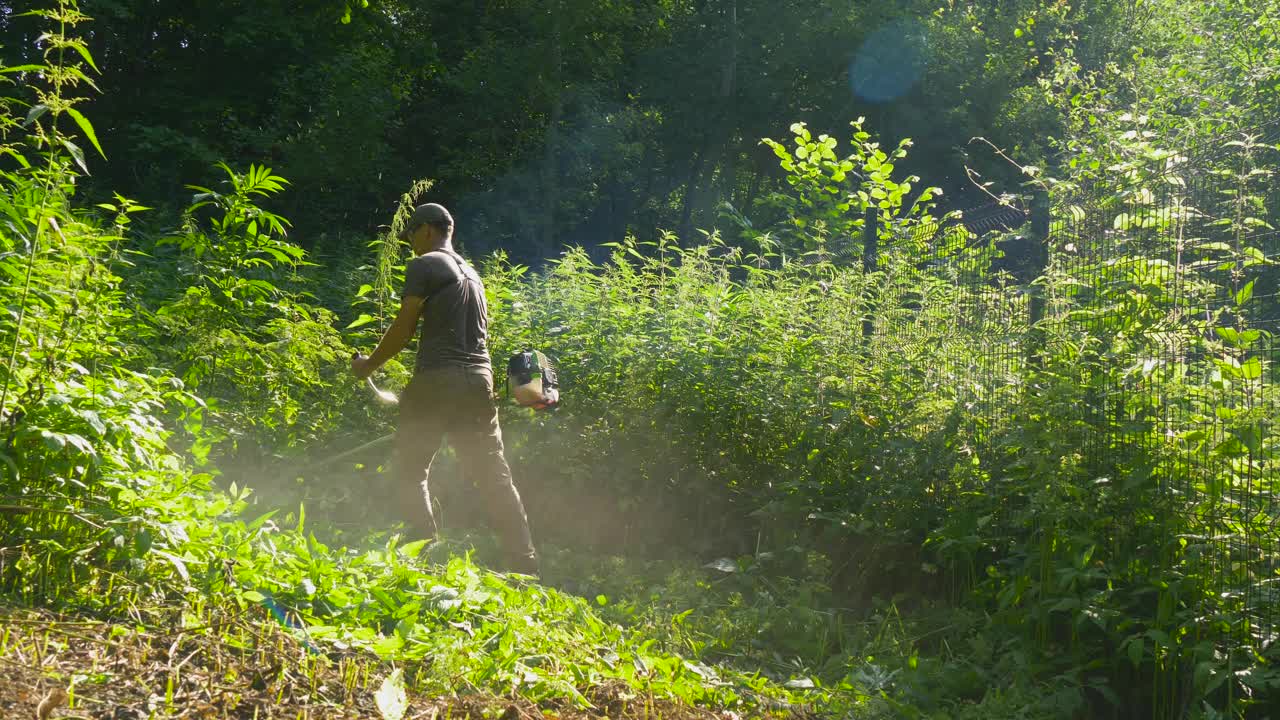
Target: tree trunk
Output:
[(719, 136), (619, 210), (753, 189), (690, 191), (729, 177), (551, 150)]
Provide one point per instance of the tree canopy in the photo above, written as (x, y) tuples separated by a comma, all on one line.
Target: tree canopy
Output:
[(572, 122)]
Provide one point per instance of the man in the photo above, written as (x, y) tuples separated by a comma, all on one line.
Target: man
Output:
[(452, 388)]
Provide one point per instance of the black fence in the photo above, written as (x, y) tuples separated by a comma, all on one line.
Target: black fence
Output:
[(1147, 300)]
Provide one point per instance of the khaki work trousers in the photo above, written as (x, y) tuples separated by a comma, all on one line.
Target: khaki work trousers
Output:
[(458, 402)]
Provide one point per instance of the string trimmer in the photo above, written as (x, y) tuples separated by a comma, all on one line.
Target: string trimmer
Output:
[(531, 381), (385, 397)]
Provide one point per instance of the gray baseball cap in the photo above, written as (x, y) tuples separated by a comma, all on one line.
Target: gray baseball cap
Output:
[(423, 214)]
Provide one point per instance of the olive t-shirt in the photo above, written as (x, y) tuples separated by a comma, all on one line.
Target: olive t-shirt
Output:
[(455, 324)]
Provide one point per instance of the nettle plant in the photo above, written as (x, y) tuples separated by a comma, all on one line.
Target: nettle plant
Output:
[(241, 247), (1146, 440), (1231, 409), (80, 434), (242, 333), (377, 301)]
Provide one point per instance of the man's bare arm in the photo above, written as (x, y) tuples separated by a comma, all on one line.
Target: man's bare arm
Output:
[(394, 339)]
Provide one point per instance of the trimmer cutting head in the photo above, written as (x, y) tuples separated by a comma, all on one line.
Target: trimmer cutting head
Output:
[(384, 396)]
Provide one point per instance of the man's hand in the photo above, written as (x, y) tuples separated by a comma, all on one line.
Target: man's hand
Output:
[(393, 340), (361, 367)]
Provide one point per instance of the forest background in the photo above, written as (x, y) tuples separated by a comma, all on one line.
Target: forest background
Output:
[(567, 123)]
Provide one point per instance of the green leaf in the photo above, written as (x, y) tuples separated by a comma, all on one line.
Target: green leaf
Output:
[(1256, 257), (1245, 294), (142, 542), (262, 519), (253, 596), (22, 160), (54, 440), (35, 113), (13, 467), (364, 290), (95, 422), (76, 153), (1251, 369), (76, 72), (1250, 438), (1134, 650), (178, 564), (80, 444), (413, 549), (1229, 365), (391, 698), (84, 53), (278, 256), (387, 647), (364, 319)]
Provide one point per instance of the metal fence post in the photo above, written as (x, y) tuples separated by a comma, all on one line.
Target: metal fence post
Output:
[(1039, 262), (870, 257)]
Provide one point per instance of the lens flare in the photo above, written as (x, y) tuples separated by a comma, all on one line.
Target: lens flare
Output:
[(890, 62)]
